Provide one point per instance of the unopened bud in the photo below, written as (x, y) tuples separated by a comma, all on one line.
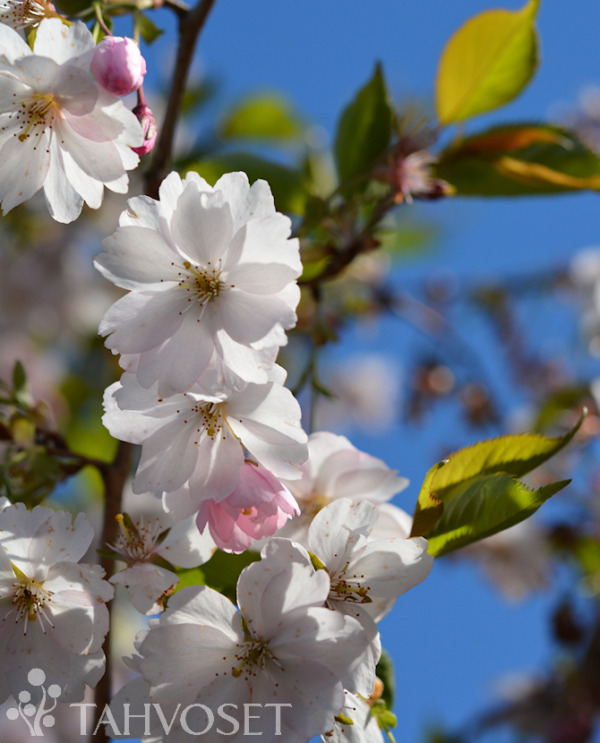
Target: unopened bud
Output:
[(146, 119), (118, 65)]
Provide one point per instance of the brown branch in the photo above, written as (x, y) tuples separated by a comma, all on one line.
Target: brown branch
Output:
[(114, 476), (190, 26)]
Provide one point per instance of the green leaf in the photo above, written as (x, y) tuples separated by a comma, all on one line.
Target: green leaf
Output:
[(364, 130), (286, 184), (474, 492), (19, 379), (385, 672), (223, 569), (520, 160), (265, 116), (486, 63), (149, 31), (484, 506)]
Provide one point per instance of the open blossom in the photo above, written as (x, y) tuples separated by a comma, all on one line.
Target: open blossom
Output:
[(58, 129), (143, 546), (52, 608), (199, 439), (364, 728), (337, 469), (212, 279), (283, 647), (118, 65)]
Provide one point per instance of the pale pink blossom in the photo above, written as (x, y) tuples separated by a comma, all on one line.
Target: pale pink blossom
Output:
[(118, 65), (337, 469), (19, 14), (58, 129), (257, 508), (211, 274)]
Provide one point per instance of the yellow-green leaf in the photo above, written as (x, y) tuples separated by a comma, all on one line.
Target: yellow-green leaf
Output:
[(486, 63), (474, 492)]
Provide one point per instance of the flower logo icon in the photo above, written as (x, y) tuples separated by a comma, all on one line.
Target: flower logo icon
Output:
[(37, 716)]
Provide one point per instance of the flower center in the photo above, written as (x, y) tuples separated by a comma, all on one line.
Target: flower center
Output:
[(252, 655), (30, 599), (203, 284), (37, 114), (208, 417), (136, 541)]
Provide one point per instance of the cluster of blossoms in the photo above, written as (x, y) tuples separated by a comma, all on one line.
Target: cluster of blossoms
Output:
[(211, 277)]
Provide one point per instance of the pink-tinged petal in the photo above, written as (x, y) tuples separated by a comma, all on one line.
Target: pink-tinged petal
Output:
[(247, 202), (140, 321), (99, 159), (138, 256), (180, 503), (60, 42), (142, 211), (250, 365), (393, 522), (169, 192), (201, 226), (248, 317)]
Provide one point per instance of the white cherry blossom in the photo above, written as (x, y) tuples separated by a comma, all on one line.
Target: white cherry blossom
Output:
[(20, 14), (199, 440), (52, 608), (211, 274), (58, 129), (283, 647), (141, 541), (337, 469), (364, 728)]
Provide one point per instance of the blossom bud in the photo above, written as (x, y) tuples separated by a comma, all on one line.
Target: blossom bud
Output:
[(118, 65), (146, 119)]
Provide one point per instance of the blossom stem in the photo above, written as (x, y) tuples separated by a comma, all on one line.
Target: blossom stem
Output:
[(190, 26), (114, 476)]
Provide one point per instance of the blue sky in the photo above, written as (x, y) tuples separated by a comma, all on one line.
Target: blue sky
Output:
[(453, 635)]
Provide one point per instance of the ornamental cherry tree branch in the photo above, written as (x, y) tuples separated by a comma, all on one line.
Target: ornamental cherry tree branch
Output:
[(189, 27)]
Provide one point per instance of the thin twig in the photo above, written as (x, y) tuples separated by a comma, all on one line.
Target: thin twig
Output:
[(190, 26)]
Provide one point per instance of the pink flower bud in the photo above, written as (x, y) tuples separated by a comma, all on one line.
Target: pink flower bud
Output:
[(144, 114), (118, 65)]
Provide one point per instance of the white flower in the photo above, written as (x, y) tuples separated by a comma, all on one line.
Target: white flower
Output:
[(199, 440), (212, 279), (367, 574), (52, 609), (336, 469), (58, 129), (282, 648), (138, 544)]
